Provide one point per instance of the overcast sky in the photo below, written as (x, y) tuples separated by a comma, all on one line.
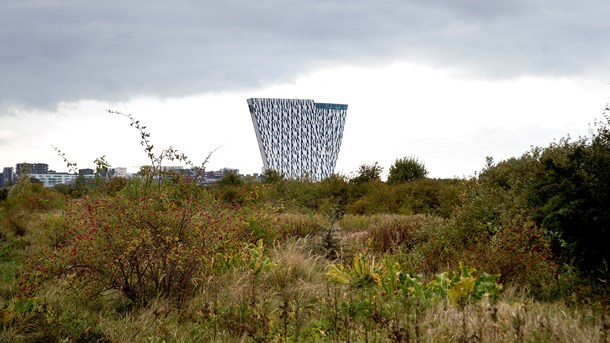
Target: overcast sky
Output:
[(447, 81)]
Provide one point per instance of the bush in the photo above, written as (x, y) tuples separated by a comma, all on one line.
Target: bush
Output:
[(25, 199), (367, 172), (572, 200), (407, 169), (431, 196), (518, 253), (230, 179), (157, 245)]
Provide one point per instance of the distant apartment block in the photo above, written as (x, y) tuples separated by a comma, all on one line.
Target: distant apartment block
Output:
[(297, 137), (219, 174), (7, 175), (86, 171), (32, 168)]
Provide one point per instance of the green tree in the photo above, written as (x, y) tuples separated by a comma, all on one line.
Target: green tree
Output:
[(407, 169), (572, 200), (368, 172), (273, 176), (231, 179)]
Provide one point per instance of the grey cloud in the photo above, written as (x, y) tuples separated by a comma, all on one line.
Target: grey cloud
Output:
[(53, 51)]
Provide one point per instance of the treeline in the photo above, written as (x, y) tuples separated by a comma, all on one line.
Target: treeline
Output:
[(351, 196)]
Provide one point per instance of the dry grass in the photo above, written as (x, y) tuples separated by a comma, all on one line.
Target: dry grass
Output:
[(300, 225), (386, 232), (511, 322)]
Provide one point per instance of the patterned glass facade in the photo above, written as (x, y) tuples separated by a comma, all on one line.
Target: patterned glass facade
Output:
[(298, 137)]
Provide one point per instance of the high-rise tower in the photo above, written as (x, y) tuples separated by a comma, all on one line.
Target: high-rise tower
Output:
[(298, 137)]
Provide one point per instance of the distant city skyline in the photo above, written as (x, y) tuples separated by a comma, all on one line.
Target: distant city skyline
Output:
[(50, 178)]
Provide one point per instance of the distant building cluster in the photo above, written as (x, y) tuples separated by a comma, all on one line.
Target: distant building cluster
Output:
[(50, 178), (42, 173)]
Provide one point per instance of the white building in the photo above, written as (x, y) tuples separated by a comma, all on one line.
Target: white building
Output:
[(298, 137), (50, 180)]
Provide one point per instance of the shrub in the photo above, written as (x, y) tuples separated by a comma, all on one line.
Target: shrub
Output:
[(25, 199), (233, 195), (431, 196), (230, 179), (157, 245), (359, 207), (273, 176), (114, 185), (572, 200), (518, 253), (464, 285), (407, 169), (367, 172)]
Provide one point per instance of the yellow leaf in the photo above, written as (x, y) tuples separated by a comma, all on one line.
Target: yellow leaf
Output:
[(337, 273), (461, 290), (376, 278)]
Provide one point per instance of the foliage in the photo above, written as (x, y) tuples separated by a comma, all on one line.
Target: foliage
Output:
[(287, 225), (520, 254), (407, 169), (114, 185), (425, 196), (139, 240), (273, 176), (3, 194), (368, 172), (251, 256), (463, 286), (230, 179), (572, 200), (563, 188), (24, 199), (156, 245), (431, 196), (330, 243)]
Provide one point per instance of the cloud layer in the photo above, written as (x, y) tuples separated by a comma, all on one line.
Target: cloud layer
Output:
[(63, 51)]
